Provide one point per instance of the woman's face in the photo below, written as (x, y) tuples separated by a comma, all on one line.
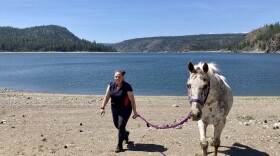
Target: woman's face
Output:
[(118, 77)]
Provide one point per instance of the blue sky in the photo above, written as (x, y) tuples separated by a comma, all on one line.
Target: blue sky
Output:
[(111, 21)]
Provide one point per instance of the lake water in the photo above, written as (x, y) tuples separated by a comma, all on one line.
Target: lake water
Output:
[(148, 73)]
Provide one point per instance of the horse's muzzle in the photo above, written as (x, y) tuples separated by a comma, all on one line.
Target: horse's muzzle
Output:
[(196, 116)]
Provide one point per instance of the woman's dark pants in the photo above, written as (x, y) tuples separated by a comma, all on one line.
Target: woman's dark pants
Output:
[(120, 118)]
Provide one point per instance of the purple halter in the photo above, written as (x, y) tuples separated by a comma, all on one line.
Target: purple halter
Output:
[(198, 100)]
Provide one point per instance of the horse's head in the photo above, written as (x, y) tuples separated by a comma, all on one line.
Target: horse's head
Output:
[(198, 89)]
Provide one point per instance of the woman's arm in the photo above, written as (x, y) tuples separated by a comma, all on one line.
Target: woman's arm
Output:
[(131, 98), (105, 100)]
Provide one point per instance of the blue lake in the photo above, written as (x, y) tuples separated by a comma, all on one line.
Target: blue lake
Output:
[(148, 73)]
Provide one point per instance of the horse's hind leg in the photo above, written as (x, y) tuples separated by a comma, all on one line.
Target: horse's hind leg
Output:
[(203, 141), (218, 128)]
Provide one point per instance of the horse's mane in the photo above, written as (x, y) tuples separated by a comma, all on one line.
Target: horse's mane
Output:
[(212, 68), (212, 71)]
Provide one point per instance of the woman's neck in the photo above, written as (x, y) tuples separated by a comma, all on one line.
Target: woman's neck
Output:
[(119, 84)]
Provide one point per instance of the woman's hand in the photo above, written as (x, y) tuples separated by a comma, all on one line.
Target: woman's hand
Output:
[(135, 115), (102, 111)]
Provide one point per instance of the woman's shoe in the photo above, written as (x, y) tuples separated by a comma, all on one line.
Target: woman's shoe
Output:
[(126, 140), (119, 148)]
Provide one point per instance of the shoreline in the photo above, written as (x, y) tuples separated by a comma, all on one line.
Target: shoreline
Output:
[(84, 52), (102, 95)]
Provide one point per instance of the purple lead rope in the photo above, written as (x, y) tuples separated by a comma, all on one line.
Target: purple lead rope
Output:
[(167, 126)]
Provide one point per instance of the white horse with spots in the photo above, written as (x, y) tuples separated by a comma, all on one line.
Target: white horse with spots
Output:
[(211, 100)]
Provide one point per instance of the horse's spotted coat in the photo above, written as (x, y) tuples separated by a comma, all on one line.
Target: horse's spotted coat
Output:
[(217, 105)]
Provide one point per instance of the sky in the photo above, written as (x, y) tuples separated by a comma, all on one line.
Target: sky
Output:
[(112, 21)]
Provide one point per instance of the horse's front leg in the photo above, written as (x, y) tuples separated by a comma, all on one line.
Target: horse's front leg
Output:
[(218, 128), (202, 131)]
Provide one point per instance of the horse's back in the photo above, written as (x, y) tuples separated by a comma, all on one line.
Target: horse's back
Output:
[(227, 98), (224, 95)]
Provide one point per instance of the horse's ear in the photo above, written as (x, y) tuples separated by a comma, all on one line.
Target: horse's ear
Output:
[(205, 67), (191, 67)]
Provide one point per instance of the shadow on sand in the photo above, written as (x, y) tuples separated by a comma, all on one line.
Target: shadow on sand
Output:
[(238, 149), (146, 147)]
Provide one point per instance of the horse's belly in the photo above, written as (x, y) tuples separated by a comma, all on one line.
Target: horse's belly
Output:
[(213, 117)]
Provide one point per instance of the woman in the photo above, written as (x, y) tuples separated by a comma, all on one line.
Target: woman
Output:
[(122, 104)]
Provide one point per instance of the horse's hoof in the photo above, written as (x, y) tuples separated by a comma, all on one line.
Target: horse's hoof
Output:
[(204, 154), (212, 142), (204, 146)]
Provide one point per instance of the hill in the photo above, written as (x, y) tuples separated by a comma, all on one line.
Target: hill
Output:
[(57, 38), (209, 42), (45, 38), (264, 39)]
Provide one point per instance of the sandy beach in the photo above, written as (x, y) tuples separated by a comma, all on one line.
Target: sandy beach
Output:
[(35, 124)]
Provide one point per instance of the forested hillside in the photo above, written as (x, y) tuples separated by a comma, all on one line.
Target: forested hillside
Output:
[(209, 42), (45, 38), (57, 38), (266, 39)]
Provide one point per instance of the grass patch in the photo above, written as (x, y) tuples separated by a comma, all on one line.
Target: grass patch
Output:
[(246, 118), (273, 117), (40, 148), (53, 150), (2, 112)]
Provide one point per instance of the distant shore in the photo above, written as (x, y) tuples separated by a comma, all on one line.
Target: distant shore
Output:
[(64, 124), (83, 52), (53, 52)]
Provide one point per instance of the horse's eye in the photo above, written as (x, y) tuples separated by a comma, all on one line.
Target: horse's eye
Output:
[(204, 80), (189, 86)]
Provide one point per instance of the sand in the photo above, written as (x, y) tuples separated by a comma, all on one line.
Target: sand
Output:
[(34, 124)]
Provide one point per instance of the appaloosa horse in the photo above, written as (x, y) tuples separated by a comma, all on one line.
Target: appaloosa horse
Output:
[(211, 100)]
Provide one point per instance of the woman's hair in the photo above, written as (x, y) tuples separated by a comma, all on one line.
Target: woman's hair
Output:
[(120, 71)]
